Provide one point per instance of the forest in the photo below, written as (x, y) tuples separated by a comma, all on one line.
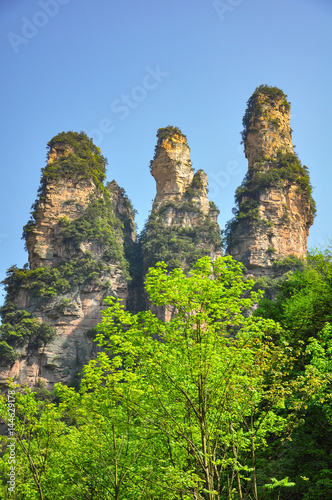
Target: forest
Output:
[(229, 400)]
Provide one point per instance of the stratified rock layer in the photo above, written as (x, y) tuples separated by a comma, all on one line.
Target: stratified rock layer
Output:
[(275, 207)]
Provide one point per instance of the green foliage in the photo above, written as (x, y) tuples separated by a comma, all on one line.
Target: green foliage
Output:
[(213, 206), (7, 353), (302, 305), (64, 305), (44, 282), (178, 246), (289, 263), (83, 162), (99, 224), (20, 328), (254, 105), (188, 409), (49, 282), (303, 301), (27, 228)]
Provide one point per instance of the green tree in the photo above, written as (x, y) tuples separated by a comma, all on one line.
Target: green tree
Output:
[(181, 410), (303, 301), (303, 307), (213, 382)]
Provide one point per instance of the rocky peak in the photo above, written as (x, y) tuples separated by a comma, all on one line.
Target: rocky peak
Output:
[(72, 176), (171, 165), (183, 224), (275, 207), (267, 125), (78, 239)]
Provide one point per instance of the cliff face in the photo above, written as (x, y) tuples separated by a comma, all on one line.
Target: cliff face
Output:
[(75, 242), (171, 167), (275, 208), (183, 224), (82, 246), (45, 243), (267, 126)]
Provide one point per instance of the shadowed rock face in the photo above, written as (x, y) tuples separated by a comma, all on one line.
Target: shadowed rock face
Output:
[(62, 359), (275, 207)]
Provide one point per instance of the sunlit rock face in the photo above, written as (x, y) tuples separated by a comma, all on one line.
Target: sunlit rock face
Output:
[(275, 206), (85, 271), (183, 223)]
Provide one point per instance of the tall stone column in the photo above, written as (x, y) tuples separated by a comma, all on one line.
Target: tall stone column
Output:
[(275, 208)]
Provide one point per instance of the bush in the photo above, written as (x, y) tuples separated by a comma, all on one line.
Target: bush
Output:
[(176, 245), (21, 328), (7, 354), (84, 161)]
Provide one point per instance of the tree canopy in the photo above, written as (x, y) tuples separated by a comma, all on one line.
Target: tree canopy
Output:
[(200, 407)]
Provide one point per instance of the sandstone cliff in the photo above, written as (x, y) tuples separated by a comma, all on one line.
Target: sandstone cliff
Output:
[(75, 240), (81, 238), (183, 224), (275, 208)]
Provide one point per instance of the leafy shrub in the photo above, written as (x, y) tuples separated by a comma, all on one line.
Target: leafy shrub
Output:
[(7, 354), (48, 282), (178, 246), (97, 223), (21, 328), (84, 161), (63, 305), (291, 262)]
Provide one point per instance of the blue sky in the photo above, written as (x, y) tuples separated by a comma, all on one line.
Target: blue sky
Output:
[(120, 70)]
